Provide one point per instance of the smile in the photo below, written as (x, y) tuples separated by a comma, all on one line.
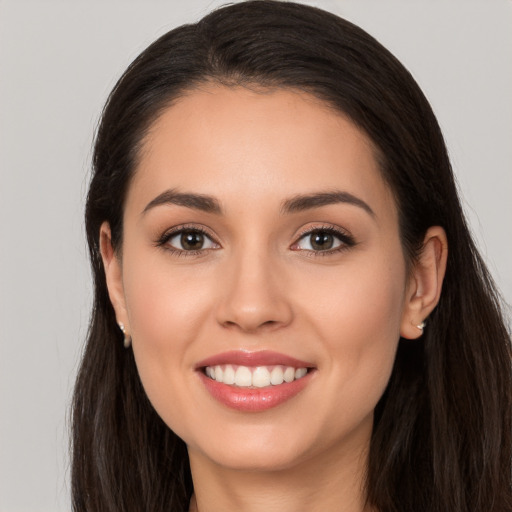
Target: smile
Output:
[(257, 377), (254, 381)]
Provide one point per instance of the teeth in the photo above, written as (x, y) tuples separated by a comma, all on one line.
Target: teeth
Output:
[(276, 376), (229, 375), (300, 372), (259, 377), (243, 376), (289, 374)]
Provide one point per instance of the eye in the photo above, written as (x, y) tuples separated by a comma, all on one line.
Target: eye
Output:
[(323, 240), (188, 240)]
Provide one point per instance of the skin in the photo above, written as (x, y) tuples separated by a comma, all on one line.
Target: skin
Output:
[(259, 285)]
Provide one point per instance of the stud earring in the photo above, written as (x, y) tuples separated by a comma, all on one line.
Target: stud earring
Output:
[(127, 338), (421, 326)]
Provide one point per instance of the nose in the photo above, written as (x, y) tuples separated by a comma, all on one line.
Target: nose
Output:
[(253, 297)]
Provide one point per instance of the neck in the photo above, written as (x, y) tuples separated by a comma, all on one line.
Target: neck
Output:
[(330, 482)]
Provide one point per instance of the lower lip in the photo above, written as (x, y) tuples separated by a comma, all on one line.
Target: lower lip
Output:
[(254, 399)]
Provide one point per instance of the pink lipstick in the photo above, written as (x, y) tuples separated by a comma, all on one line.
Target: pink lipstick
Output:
[(254, 381)]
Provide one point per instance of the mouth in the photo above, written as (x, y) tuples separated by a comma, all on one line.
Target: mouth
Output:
[(254, 377), (254, 381)]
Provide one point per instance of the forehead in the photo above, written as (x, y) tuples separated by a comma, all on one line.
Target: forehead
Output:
[(227, 141)]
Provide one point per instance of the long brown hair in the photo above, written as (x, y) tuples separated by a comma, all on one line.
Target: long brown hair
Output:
[(442, 430)]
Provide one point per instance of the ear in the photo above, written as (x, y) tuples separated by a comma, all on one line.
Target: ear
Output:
[(425, 283), (113, 275)]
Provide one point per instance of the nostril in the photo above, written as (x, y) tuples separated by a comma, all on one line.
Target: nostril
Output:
[(253, 313), (251, 326)]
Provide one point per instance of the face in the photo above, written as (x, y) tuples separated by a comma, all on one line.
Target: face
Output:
[(262, 277)]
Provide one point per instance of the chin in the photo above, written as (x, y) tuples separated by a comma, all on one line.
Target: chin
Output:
[(263, 448), (255, 459)]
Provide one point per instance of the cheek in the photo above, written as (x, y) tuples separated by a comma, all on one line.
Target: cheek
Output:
[(164, 302), (167, 309), (357, 316), (363, 297)]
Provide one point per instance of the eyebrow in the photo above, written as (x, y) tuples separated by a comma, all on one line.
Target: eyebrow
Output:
[(196, 201), (295, 204), (306, 202)]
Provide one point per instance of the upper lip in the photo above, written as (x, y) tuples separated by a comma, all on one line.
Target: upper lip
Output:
[(247, 358)]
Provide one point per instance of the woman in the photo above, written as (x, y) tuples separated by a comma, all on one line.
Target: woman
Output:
[(290, 313)]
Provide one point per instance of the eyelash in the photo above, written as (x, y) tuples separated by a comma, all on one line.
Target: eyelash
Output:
[(347, 241), (168, 235)]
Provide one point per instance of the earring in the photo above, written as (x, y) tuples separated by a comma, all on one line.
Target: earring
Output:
[(127, 338), (421, 326)]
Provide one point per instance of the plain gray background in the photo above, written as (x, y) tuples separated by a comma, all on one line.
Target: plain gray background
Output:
[(58, 61)]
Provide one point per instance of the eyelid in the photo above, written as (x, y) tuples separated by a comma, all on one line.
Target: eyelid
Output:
[(176, 230), (175, 239), (346, 239)]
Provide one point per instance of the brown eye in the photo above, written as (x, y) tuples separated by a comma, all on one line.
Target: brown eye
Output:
[(321, 241), (191, 240)]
